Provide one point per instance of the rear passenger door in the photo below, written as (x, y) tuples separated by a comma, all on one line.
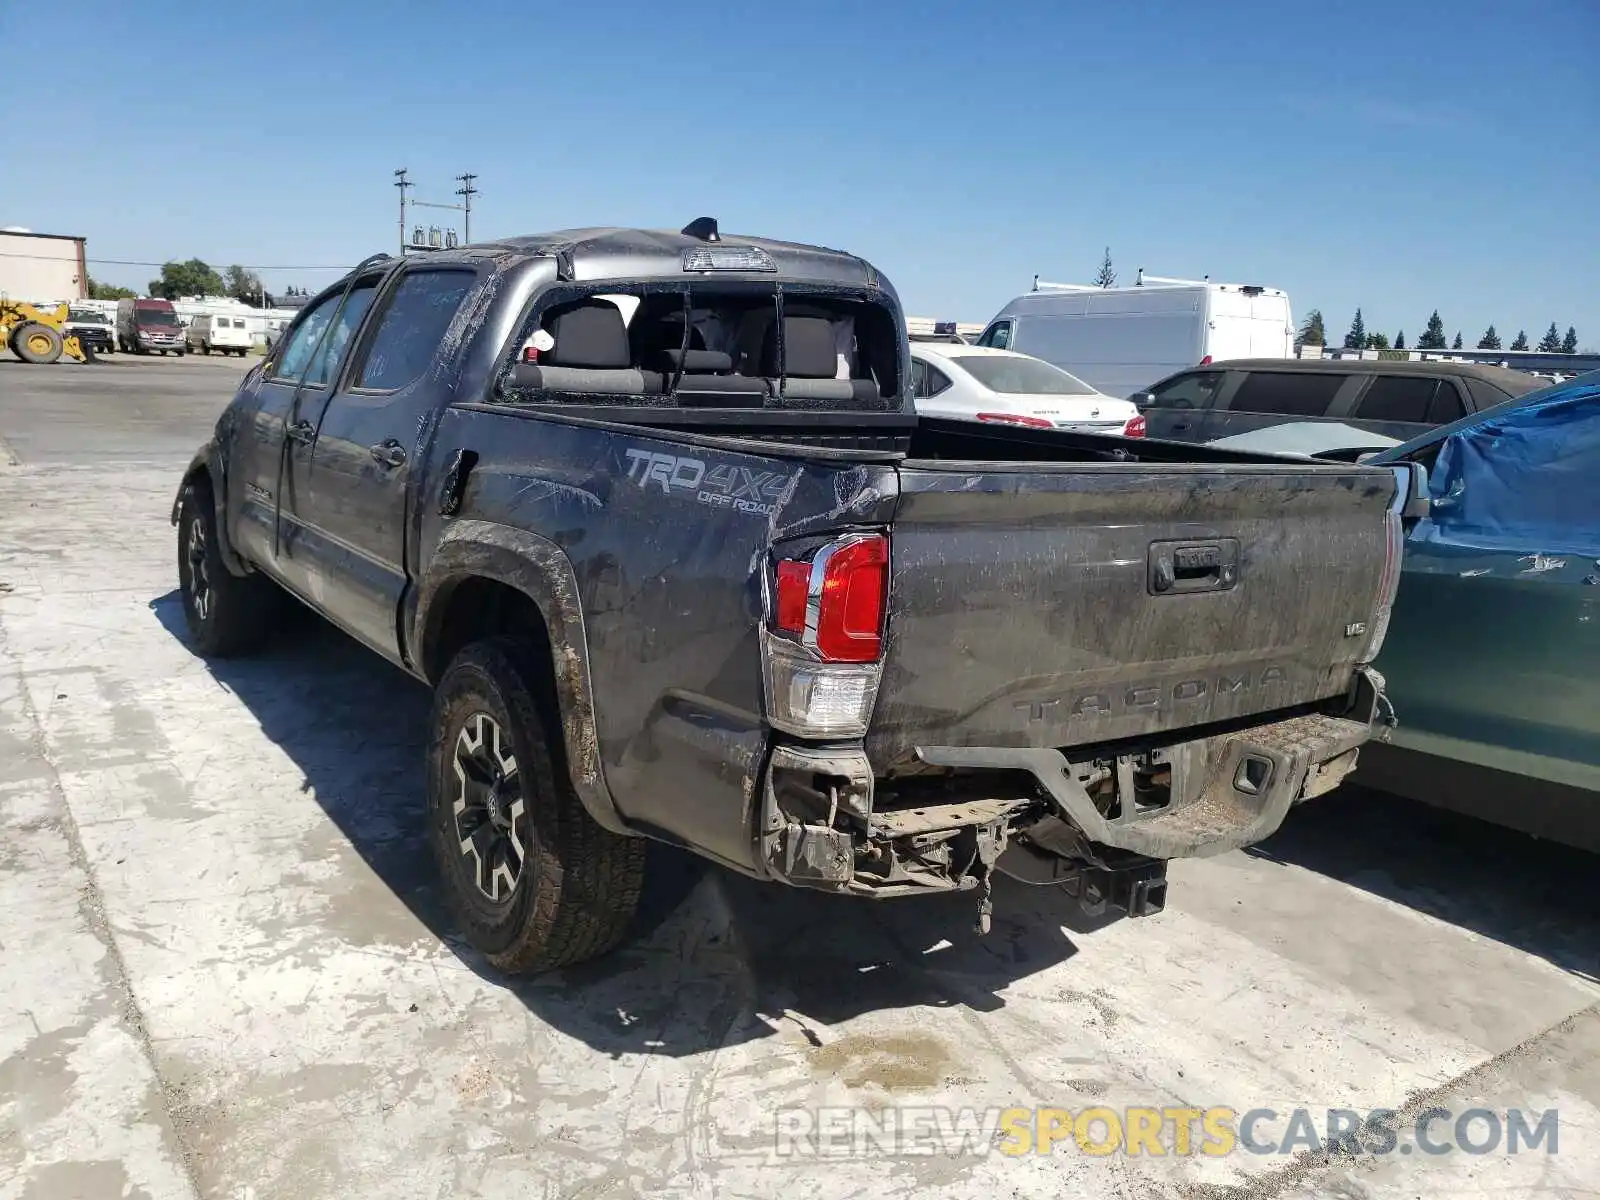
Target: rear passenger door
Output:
[(1402, 406), (1266, 398), (372, 432)]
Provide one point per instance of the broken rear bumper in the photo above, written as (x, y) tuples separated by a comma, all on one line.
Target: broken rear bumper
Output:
[(827, 822)]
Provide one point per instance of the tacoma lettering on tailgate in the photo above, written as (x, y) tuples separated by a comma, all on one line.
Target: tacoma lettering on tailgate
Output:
[(1152, 696)]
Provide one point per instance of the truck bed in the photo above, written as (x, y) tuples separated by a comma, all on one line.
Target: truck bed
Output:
[(1060, 589)]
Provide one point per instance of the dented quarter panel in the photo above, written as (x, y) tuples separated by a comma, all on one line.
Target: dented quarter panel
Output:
[(658, 549)]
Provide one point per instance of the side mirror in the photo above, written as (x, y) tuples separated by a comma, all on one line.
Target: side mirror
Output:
[(1142, 399), (1414, 480)]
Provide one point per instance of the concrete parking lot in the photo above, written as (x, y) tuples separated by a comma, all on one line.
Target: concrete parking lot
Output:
[(225, 971)]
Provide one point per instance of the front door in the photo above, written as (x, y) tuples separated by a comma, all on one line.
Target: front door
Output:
[(370, 435), (276, 436)]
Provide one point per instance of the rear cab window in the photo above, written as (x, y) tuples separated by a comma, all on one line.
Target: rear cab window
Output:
[(721, 344), (1287, 393)]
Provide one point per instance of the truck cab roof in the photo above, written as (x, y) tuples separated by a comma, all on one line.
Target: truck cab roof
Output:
[(613, 252)]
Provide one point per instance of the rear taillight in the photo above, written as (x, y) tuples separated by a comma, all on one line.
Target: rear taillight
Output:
[(1016, 419), (1206, 361), (824, 637), (835, 602), (1135, 427), (1394, 550)]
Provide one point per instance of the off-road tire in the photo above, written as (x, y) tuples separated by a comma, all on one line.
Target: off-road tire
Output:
[(578, 884), (239, 611), (36, 343)]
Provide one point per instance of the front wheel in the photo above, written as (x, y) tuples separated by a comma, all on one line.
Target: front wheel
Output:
[(535, 882), (36, 343), (227, 614)]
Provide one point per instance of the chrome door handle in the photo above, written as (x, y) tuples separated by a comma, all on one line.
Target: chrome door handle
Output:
[(389, 453), (303, 432)]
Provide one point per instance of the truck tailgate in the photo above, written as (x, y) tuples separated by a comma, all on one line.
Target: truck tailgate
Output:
[(1045, 606)]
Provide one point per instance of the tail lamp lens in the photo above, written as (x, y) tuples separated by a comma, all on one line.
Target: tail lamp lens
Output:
[(794, 585), (836, 602), (1135, 427), (1015, 419), (1393, 561), (822, 653), (855, 579)]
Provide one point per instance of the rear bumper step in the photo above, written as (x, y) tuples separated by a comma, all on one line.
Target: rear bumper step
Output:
[(1220, 793)]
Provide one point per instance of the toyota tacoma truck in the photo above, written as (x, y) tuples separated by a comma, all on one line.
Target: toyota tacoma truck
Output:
[(652, 514)]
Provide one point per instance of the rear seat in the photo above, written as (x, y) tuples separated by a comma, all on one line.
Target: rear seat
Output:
[(707, 379), (590, 355), (810, 363)]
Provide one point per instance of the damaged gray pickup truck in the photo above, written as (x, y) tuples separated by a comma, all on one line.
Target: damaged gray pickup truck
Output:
[(653, 515)]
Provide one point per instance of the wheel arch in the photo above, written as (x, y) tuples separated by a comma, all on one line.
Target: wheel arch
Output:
[(485, 580), (206, 467)]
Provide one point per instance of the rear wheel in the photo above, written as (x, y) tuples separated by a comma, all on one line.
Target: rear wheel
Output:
[(36, 343), (535, 882), (227, 614)]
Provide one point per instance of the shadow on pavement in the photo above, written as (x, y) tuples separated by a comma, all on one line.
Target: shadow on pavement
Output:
[(1540, 897), (713, 958)]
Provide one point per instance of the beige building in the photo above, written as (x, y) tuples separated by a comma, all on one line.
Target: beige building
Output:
[(42, 266)]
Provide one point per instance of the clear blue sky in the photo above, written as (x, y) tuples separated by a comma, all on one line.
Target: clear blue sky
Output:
[(1397, 156)]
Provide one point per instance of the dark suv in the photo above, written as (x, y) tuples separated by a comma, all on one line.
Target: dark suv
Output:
[(1399, 399)]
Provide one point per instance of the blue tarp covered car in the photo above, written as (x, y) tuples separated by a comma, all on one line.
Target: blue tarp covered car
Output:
[(1493, 650)]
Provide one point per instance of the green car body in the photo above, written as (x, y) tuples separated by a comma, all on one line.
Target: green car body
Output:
[(1493, 650)]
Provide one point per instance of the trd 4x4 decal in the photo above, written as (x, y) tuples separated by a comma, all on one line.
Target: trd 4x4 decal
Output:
[(738, 488)]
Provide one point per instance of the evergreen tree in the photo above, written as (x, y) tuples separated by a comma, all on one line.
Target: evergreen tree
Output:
[(1312, 333), (1522, 340), (1490, 340), (1433, 337), (1550, 343), (1377, 341), (1569, 344), (1107, 276), (1456, 345), (1400, 340), (1357, 337)]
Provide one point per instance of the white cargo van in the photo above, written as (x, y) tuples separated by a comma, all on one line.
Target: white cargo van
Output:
[(225, 334), (1120, 340)]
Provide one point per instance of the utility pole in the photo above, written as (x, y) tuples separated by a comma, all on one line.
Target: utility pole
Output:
[(401, 182), (466, 191)]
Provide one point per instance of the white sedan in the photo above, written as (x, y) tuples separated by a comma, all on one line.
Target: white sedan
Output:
[(976, 383)]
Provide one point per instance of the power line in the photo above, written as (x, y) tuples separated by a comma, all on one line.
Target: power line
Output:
[(133, 262)]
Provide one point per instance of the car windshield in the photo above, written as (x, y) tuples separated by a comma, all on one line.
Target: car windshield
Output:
[(1021, 376), (87, 315), (156, 316)]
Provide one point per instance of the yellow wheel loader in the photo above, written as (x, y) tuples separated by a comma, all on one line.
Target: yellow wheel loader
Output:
[(38, 335)]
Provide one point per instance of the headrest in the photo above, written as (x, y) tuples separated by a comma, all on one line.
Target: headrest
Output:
[(808, 349), (591, 334), (697, 362)]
